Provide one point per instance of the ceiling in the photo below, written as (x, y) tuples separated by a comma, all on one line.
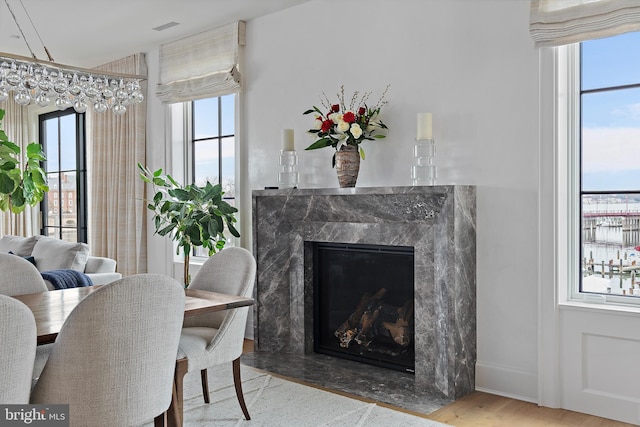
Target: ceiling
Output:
[(88, 33)]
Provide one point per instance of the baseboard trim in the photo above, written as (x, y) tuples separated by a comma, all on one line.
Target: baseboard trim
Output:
[(507, 382)]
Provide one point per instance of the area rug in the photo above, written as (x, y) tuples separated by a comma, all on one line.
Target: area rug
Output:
[(278, 402)]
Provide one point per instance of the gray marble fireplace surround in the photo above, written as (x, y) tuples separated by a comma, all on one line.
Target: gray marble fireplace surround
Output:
[(437, 221)]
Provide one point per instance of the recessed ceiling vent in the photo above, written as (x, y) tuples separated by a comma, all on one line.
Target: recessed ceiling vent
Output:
[(165, 26)]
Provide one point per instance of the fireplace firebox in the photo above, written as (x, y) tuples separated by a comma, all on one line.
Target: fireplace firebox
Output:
[(364, 303)]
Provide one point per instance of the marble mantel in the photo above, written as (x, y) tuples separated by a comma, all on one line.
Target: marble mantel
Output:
[(437, 221)]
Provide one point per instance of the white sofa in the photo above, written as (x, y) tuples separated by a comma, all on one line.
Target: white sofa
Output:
[(49, 253)]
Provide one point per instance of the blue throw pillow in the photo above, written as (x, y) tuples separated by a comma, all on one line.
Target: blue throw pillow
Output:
[(29, 258)]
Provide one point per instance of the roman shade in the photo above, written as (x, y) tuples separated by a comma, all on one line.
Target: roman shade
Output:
[(201, 66), (559, 22)]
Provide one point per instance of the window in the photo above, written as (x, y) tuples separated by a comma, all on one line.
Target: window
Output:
[(212, 148), (62, 135), (609, 172)]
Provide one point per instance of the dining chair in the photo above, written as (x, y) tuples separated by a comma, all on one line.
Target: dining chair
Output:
[(215, 338), (18, 336), (19, 276), (114, 359)]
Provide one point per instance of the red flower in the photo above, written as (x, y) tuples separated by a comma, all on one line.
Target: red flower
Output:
[(361, 111), (335, 108), (349, 117), (326, 125)]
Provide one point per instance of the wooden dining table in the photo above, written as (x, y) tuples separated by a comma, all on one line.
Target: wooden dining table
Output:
[(52, 308)]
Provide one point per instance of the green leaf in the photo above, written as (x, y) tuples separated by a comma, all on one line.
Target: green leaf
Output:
[(233, 230), (159, 181), (180, 194), (320, 143), (379, 136), (166, 230), (7, 165), (7, 184), (173, 181), (361, 152), (11, 146)]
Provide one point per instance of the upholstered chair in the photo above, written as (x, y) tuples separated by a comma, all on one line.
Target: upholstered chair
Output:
[(215, 338), (19, 276), (114, 359), (18, 350)]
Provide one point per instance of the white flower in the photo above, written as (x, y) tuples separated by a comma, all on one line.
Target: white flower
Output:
[(356, 131), (335, 117), (373, 125), (343, 126), (317, 123)]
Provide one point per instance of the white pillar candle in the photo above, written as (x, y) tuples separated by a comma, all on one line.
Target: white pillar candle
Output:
[(425, 126), (287, 140)]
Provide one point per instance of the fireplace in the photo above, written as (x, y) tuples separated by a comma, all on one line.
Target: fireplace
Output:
[(363, 303), (436, 222)]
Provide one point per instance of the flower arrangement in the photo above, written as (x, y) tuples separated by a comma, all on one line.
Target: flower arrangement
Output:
[(338, 125)]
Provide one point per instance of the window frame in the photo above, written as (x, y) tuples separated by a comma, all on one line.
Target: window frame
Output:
[(569, 214), (190, 140), (81, 199)]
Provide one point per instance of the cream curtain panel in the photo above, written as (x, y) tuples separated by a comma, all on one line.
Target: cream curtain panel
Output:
[(560, 22), (201, 66), (15, 125), (117, 208)]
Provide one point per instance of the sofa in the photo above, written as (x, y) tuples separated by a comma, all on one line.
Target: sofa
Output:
[(48, 253)]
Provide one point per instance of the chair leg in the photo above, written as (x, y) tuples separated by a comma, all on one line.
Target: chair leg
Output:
[(205, 385), (175, 413), (160, 420), (238, 383)]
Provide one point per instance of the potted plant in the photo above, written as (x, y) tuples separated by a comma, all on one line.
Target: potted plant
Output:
[(344, 128), (194, 216), (20, 186)]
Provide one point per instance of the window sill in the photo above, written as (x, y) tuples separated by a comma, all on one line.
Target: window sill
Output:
[(600, 305)]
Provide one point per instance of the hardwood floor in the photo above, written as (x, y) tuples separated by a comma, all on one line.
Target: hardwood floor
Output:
[(488, 410), (483, 410)]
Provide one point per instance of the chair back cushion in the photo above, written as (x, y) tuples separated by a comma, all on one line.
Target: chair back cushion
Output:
[(231, 271), (19, 276), (17, 352), (114, 358)]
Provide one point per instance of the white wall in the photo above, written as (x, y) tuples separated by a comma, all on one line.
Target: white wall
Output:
[(473, 65)]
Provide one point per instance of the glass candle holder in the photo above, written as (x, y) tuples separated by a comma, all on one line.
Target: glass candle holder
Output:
[(423, 171), (288, 175)]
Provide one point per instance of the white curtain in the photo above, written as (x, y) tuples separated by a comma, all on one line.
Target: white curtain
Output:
[(16, 127), (201, 66), (559, 22), (118, 211)]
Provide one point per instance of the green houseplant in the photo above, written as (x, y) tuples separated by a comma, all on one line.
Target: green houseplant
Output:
[(194, 216), (20, 186)]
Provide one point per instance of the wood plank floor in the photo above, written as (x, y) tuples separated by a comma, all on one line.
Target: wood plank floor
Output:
[(483, 410), (489, 410)]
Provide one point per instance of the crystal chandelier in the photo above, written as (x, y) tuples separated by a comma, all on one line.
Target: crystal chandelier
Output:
[(32, 81), (36, 82)]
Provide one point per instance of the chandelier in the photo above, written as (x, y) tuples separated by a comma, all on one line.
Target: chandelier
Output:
[(33, 81)]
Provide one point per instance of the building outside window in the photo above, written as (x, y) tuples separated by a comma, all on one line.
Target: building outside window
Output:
[(609, 170), (62, 135)]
